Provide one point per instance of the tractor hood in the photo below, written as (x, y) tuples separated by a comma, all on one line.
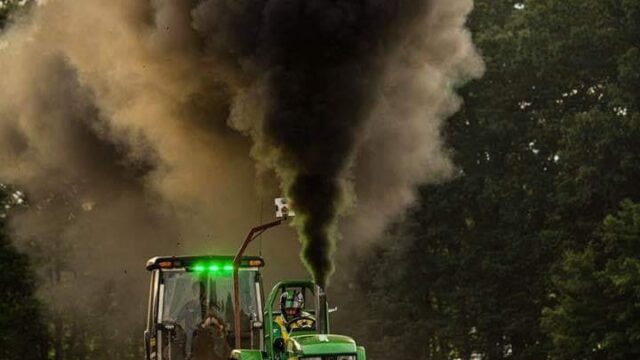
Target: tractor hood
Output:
[(319, 344)]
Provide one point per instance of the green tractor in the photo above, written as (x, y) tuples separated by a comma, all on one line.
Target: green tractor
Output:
[(213, 308)]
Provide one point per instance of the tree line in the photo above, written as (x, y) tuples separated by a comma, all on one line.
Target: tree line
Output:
[(532, 251)]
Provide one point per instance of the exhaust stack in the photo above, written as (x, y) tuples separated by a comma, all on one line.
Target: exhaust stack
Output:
[(322, 320)]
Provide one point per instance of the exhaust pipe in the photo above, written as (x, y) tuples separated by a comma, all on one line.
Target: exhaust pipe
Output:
[(322, 315)]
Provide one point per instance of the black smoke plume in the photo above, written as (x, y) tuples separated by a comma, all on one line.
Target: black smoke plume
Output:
[(320, 66), (319, 60)]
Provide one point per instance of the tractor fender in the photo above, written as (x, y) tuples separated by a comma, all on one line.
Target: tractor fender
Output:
[(362, 354)]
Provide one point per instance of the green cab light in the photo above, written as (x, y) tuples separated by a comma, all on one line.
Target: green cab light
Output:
[(212, 268), (198, 268)]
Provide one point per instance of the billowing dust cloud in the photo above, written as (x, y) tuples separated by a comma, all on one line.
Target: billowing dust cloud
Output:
[(401, 146), (126, 121)]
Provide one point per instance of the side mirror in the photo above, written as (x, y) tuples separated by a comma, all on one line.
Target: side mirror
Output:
[(332, 310), (278, 345)]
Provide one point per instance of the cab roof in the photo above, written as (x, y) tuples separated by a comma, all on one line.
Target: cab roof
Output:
[(190, 260)]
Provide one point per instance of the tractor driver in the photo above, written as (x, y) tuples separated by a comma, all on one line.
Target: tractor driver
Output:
[(292, 316), (197, 316), (193, 313)]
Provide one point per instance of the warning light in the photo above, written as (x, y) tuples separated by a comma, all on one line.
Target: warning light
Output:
[(198, 268), (166, 264), (255, 262), (283, 208), (222, 268), (214, 268)]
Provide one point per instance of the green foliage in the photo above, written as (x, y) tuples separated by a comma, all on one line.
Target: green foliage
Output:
[(597, 308), (547, 146)]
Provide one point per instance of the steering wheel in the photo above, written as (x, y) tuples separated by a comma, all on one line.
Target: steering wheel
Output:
[(301, 318)]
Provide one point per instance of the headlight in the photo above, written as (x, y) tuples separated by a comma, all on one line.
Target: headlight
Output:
[(346, 357)]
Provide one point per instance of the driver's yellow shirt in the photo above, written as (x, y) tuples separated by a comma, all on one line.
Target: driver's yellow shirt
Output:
[(282, 326)]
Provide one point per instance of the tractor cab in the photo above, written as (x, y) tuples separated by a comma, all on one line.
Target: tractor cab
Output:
[(191, 307)]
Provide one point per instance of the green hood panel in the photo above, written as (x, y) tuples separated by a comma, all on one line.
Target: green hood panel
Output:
[(310, 345)]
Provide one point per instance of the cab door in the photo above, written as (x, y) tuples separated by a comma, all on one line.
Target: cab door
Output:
[(150, 336)]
